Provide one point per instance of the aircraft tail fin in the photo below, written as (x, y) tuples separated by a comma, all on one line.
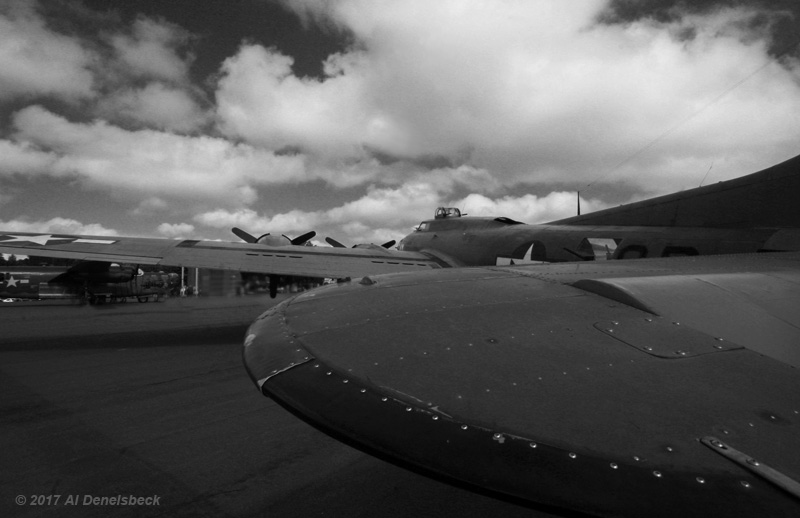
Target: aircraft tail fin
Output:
[(766, 199)]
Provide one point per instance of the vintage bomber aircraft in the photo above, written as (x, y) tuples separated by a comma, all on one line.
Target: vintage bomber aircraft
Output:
[(749, 214), (656, 387), (90, 281)]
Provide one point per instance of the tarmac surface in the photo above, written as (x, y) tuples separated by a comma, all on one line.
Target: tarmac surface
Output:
[(149, 406)]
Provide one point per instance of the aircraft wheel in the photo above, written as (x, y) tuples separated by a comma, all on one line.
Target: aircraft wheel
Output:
[(143, 299)]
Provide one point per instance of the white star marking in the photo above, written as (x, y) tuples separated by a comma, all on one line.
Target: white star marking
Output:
[(41, 239), (44, 239), (526, 259), (11, 282)]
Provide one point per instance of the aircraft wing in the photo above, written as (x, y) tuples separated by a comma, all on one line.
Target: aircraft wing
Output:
[(665, 387), (303, 261)]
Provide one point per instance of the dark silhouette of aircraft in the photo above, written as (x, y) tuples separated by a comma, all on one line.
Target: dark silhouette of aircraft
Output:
[(662, 386), (90, 281)]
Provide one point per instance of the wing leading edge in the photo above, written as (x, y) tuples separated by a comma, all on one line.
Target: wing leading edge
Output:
[(301, 261), (519, 382)]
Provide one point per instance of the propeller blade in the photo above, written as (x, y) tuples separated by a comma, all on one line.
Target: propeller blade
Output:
[(301, 240), (244, 236), (334, 243), (389, 244)]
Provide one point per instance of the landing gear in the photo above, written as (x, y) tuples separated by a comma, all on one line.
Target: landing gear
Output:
[(273, 285)]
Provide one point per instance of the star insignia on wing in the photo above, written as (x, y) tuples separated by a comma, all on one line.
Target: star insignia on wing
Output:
[(46, 239), (40, 239)]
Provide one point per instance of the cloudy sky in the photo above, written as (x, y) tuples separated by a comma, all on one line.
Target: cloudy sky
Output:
[(357, 118)]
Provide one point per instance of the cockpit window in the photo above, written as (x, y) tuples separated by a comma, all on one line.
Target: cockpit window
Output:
[(423, 227), (597, 248)]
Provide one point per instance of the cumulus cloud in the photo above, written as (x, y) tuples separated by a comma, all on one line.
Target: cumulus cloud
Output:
[(152, 50), (57, 225), (433, 103), (527, 90), (147, 162), (175, 230), (146, 79), (34, 60), (244, 218), (381, 206), (529, 208), (150, 205), (22, 158), (386, 213), (143, 77), (259, 99), (156, 106)]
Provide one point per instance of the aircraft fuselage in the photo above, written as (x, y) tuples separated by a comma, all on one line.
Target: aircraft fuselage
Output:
[(469, 241)]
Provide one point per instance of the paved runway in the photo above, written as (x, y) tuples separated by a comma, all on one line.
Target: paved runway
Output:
[(151, 401)]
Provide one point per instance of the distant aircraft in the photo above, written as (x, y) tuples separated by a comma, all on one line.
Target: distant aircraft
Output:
[(663, 386), (92, 281)]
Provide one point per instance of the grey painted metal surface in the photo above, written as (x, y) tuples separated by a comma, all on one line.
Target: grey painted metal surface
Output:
[(517, 381)]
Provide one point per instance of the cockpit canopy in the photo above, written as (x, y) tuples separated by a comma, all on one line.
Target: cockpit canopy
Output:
[(447, 212)]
